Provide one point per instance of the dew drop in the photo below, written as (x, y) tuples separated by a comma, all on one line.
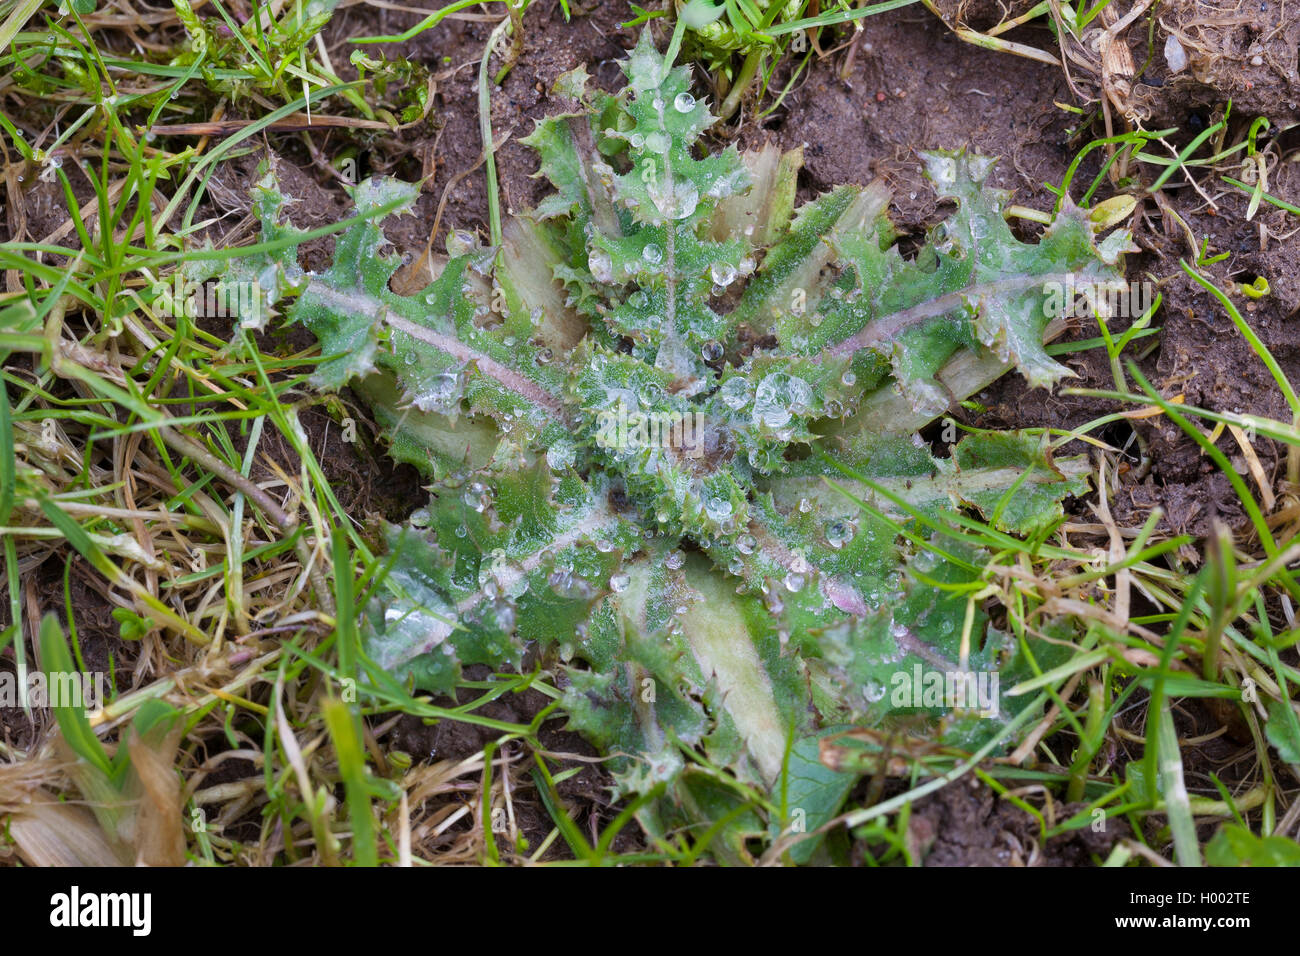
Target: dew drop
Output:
[(838, 534), (460, 242), (561, 455), (735, 392), (440, 392), (925, 562), (718, 508), (684, 103), (779, 397), (476, 496), (601, 266)]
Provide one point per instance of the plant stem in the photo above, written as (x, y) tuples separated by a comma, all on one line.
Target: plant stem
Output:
[(485, 129), (743, 81), (516, 12)]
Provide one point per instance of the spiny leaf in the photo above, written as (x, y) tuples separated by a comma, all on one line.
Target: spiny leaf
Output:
[(669, 427)]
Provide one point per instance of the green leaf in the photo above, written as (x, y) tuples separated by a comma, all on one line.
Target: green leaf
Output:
[(130, 626), (1281, 732), (811, 791), (56, 659), (1234, 845)]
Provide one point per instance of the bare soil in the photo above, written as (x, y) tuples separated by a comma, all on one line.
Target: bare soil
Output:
[(967, 825)]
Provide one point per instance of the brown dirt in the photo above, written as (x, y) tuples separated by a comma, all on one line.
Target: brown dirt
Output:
[(102, 650), (586, 792), (981, 14), (966, 824), (367, 483), (1243, 49)]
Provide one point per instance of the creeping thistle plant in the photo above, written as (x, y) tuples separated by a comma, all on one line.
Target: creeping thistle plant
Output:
[(669, 428)]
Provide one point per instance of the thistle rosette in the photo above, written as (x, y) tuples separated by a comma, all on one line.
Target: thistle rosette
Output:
[(669, 432)]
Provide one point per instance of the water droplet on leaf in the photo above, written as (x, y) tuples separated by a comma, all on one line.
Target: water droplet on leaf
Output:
[(718, 508), (735, 392), (779, 397), (601, 266), (723, 273), (838, 534), (561, 455)]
